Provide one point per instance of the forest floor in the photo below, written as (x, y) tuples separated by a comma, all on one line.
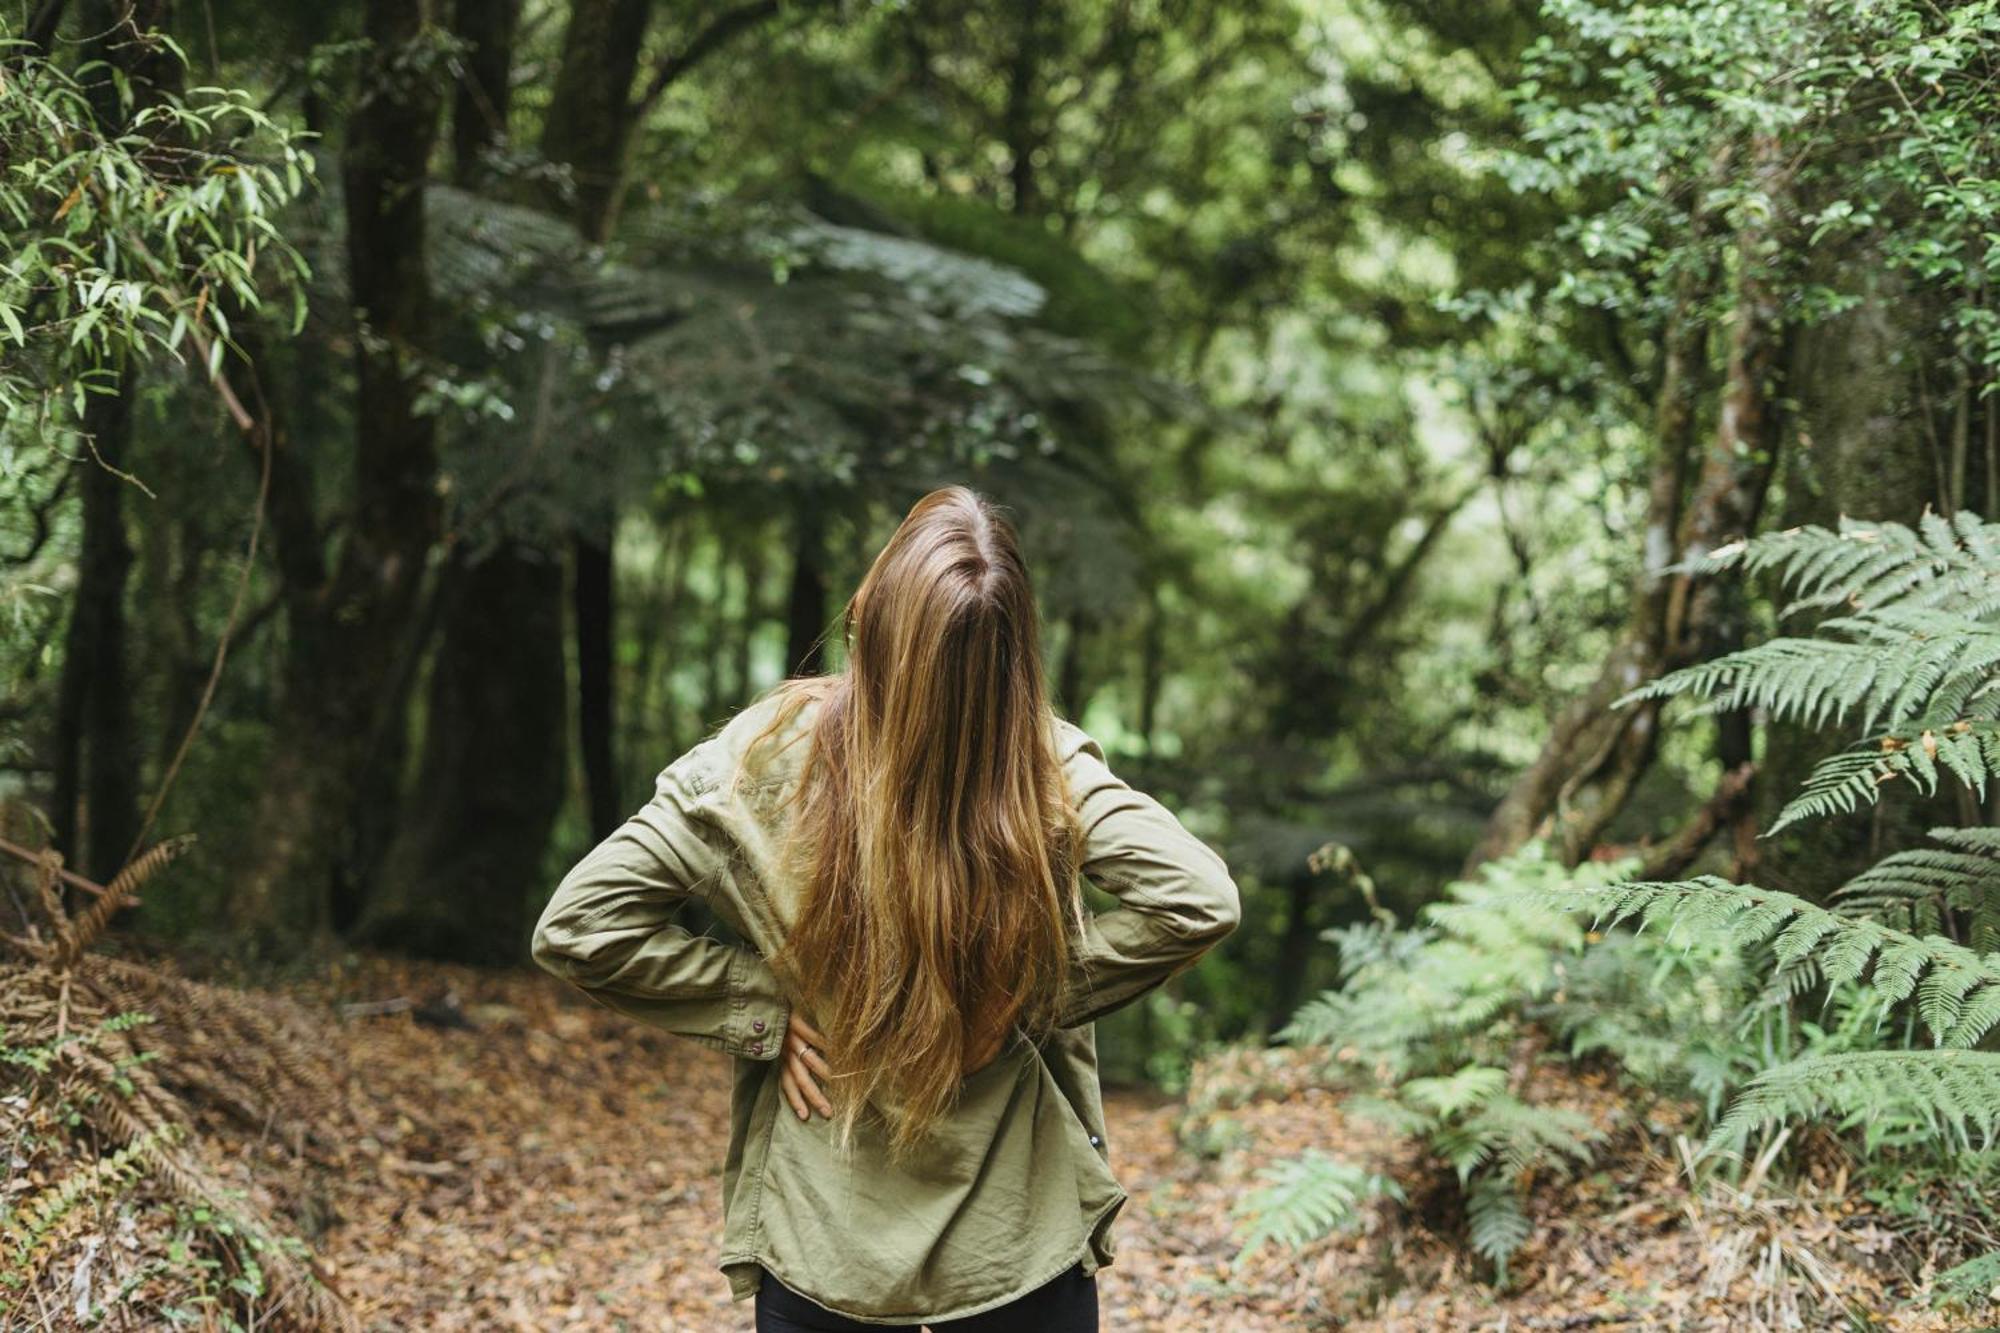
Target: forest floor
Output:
[(551, 1165)]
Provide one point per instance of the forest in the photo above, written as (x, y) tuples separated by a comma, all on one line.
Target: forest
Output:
[(1519, 478)]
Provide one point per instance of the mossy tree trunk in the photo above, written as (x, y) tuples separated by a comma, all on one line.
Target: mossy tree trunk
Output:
[(1597, 752)]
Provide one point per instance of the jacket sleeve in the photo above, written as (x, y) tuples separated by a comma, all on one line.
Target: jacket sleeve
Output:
[(1176, 898), (609, 929)]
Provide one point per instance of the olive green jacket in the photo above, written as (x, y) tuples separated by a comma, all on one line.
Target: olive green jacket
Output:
[(1014, 1187)]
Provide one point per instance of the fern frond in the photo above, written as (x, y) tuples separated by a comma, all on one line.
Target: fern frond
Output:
[(1951, 1095), (1948, 981), (1919, 753), (1454, 1094), (1889, 664), (1305, 1199), (1496, 1220), (1863, 565), (1514, 1137), (1914, 889), (1972, 1283)]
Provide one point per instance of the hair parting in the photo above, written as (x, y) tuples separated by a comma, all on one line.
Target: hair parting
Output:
[(932, 828)]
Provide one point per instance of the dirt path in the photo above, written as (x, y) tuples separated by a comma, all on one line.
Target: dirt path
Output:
[(554, 1166)]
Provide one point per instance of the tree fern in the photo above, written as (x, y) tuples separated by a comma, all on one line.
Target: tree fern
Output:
[(1956, 991), (1952, 1096), (1913, 666), (1940, 562), (1306, 1198), (1927, 888), (1904, 952)]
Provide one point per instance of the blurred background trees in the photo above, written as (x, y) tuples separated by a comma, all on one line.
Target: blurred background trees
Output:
[(1364, 375)]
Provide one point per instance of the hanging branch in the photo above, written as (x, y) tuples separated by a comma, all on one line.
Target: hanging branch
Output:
[(258, 429)]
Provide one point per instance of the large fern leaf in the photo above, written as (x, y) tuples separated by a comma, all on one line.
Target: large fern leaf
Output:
[(1956, 991), (1918, 889), (1951, 1095), (1951, 562)]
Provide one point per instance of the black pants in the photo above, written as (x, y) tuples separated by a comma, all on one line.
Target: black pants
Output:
[(1066, 1305)]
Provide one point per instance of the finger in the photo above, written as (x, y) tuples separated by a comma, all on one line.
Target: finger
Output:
[(813, 1094), (814, 1062), (808, 1086), (807, 1030), (786, 1086)]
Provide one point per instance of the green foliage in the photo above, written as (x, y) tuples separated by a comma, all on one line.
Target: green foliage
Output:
[(1422, 1027), (1640, 115), (33, 1223), (1950, 1098), (1914, 665), (1305, 1198), (1955, 990), (1677, 1016), (1903, 958), (1953, 889), (1976, 1282), (132, 240), (1423, 1000)]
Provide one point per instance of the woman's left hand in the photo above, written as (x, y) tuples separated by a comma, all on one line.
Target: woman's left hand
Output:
[(801, 1068)]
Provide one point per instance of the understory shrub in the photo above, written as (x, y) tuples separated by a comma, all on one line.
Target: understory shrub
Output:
[(1871, 1016)]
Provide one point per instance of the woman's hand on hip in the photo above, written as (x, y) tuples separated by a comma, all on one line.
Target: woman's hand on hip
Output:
[(801, 1068)]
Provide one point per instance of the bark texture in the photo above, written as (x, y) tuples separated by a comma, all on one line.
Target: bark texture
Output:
[(354, 636)]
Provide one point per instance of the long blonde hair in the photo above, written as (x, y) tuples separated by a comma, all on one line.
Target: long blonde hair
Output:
[(933, 831)]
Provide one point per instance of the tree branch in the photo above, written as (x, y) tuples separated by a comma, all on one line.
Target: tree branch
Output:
[(705, 43), (69, 877)]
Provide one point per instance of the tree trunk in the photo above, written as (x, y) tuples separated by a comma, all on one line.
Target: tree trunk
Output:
[(588, 128), (97, 758), (341, 702), (1152, 667), (591, 109), (1071, 691), (460, 881), (805, 607), (1295, 949), (1596, 753), (97, 755), (483, 101), (592, 603), (1021, 114)]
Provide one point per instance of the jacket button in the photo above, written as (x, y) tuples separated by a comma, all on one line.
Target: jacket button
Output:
[(1096, 1142), (757, 1049), (757, 1026)]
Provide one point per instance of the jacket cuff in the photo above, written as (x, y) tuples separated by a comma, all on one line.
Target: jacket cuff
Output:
[(758, 1011)]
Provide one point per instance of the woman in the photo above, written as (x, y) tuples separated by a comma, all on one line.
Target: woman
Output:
[(917, 1135)]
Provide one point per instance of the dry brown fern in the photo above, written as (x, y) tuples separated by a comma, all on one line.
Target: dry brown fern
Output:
[(138, 1086)]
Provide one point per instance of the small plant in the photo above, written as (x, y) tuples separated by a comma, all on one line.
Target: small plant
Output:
[(71, 1058), (1307, 1197), (1422, 1032)]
